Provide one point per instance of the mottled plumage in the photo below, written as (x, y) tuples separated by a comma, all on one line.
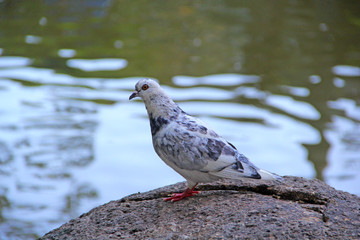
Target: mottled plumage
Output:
[(190, 147)]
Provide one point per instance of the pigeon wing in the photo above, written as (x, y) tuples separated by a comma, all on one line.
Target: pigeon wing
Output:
[(190, 145)]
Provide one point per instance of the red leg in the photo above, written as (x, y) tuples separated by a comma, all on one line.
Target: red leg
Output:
[(178, 196)]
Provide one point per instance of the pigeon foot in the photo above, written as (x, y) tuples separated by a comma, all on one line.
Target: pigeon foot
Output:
[(178, 196)]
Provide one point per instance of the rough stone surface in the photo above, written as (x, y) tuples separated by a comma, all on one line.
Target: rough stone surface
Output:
[(294, 209)]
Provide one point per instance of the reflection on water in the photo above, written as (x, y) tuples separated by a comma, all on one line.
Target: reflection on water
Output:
[(279, 80), (97, 64)]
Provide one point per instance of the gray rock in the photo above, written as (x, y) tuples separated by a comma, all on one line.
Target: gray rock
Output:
[(294, 209)]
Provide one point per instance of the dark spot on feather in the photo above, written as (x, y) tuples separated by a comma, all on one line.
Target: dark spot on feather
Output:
[(157, 123), (232, 145), (212, 133), (215, 148), (229, 151), (255, 174), (202, 129), (238, 166), (178, 110), (242, 158), (190, 125)]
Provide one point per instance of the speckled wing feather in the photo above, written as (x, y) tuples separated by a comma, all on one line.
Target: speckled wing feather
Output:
[(188, 144)]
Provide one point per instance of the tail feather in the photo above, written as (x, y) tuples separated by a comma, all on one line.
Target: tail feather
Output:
[(265, 175)]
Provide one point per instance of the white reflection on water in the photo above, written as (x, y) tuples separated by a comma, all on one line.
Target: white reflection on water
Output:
[(104, 64), (315, 79), (343, 167), (67, 53), (31, 39), (338, 82), (216, 80), (293, 107), (121, 84), (250, 93), (10, 61), (203, 93), (49, 76), (343, 134), (346, 71), (348, 106), (296, 91)]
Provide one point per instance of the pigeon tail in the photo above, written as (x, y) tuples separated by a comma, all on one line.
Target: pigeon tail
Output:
[(265, 175)]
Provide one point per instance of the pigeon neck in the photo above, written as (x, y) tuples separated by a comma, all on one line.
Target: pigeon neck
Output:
[(161, 106)]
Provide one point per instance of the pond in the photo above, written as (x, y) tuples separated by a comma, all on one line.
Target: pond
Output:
[(280, 80)]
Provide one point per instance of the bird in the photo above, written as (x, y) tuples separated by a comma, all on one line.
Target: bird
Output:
[(189, 146)]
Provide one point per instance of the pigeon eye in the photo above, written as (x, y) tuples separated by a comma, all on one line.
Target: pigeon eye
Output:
[(144, 87)]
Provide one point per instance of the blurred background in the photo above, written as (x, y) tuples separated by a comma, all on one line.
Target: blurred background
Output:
[(278, 79)]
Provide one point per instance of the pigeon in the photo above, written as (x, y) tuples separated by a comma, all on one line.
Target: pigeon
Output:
[(189, 146)]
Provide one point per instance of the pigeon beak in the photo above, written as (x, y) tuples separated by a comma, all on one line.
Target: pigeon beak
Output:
[(133, 95)]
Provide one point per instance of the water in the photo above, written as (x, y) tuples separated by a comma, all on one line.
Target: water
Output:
[(280, 80)]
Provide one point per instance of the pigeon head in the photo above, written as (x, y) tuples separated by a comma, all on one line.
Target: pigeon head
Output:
[(157, 102), (145, 88)]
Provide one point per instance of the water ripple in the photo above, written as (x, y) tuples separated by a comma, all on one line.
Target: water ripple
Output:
[(216, 80), (104, 64)]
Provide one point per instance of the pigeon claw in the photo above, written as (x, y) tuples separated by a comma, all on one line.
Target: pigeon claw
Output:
[(178, 196)]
